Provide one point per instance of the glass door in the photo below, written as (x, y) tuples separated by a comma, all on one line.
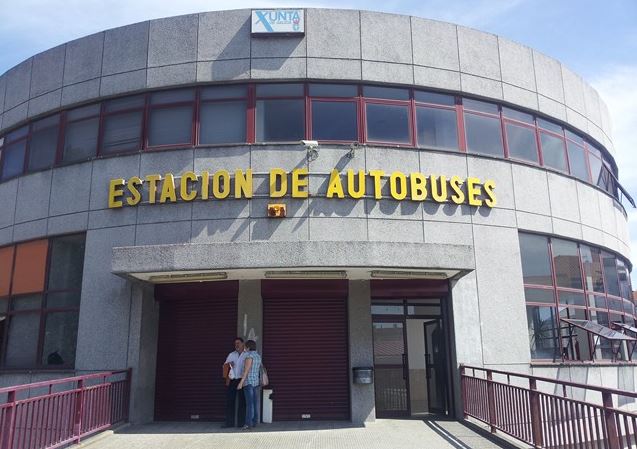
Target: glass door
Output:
[(390, 366), (435, 366)]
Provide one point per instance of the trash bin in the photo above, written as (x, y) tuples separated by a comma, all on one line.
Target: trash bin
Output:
[(266, 402), (363, 375)]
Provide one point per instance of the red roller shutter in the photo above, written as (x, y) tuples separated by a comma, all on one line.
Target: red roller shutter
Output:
[(305, 348), (197, 327)]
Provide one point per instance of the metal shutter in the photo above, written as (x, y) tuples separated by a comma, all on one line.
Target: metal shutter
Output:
[(305, 348), (197, 327)]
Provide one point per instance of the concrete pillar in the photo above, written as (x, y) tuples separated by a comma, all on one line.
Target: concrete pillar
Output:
[(361, 349), (250, 313), (142, 352)]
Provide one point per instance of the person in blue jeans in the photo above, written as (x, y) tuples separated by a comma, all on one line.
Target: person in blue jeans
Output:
[(250, 382)]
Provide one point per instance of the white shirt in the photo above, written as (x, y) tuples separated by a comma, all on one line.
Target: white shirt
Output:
[(236, 370)]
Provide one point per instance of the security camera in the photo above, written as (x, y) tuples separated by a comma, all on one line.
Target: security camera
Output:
[(309, 143)]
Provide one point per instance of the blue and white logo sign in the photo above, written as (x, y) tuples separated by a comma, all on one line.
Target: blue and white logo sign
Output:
[(278, 21)]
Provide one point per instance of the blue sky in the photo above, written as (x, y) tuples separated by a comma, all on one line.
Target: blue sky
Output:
[(595, 38)]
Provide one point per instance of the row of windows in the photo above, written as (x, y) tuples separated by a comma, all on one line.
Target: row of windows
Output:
[(565, 279), (340, 113), (40, 285)]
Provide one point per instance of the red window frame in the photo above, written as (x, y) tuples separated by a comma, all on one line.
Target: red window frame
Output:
[(505, 134), (58, 125), (497, 116), (249, 112), (65, 122), (104, 115), (310, 99), (562, 137), (255, 98), (409, 104), (150, 108), (456, 107)]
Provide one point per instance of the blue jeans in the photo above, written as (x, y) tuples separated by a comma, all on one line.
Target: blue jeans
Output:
[(250, 392)]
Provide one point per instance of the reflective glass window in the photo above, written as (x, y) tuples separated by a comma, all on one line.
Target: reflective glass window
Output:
[(170, 126), (482, 106), (66, 262), (122, 132), (539, 295), (22, 340), (387, 123), (437, 127), (553, 151), (484, 135), (536, 263), (571, 298), (43, 143), (518, 115), (596, 168), (567, 264), (334, 120), (60, 338), (388, 93), (13, 159), (575, 341), (280, 90), (610, 274), (173, 96), (577, 161), (280, 120), (80, 140), (333, 90), (223, 92), (521, 142), (222, 122), (592, 268), (125, 103), (543, 335), (434, 98)]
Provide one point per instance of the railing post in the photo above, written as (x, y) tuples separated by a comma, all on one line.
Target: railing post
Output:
[(491, 400), (6, 436), (609, 418), (129, 381), (79, 402), (536, 414)]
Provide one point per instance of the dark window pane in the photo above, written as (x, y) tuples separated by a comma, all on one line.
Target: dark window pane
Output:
[(437, 127), (387, 123), (481, 106), (80, 140), (17, 134), (518, 115), (484, 135), (610, 274), (170, 126), (597, 301), (550, 126), (80, 113), (522, 143), (434, 98), (223, 92), (122, 132), (592, 269), (13, 159), (574, 137), (567, 264), (29, 302), (22, 340), (615, 304), (389, 93), (604, 347), (4, 306), (60, 338), (378, 309), (66, 263), (553, 152), (173, 96), (624, 280), (571, 298), (63, 300), (333, 90), (536, 264), (280, 90), (539, 295), (424, 310), (280, 120), (120, 104), (628, 307), (542, 326), (43, 143), (596, 168), (574, 340), (577, 161), (223, 122), (334, 121)]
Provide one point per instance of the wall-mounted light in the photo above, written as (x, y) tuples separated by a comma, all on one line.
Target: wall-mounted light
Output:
[(188, 277), (277, 211), (352, 150), (312, 149)]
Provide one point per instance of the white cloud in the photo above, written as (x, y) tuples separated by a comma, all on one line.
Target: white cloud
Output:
[(616, 85)]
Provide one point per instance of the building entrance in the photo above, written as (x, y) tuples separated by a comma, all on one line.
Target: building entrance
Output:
[(411, 359)]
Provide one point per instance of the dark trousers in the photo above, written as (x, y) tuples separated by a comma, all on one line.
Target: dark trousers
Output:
[(232, 397)]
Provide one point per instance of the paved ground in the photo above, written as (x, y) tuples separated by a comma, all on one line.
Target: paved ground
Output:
[(383, 434)]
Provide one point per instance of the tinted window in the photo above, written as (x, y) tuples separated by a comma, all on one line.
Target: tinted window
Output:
[(389, 93), (577, 161), (481, 106), (333, 90), (66, 262), (223, 92), (484, 135), (280, 120), (80, 140), (434, 98), (596, 168), (549, 126), (536, 264), (521, 143), (542, 326), (122, 132), (610, 274), (518, 115), (334, 120), (566, 262), (539, 295), (222, 122), (60, 337), (121, 104), (437, 127), (13, 159), (553, 152), (173, 96), (592, 268), (44, 142), (170, 126), (280, 90), (572, 298), (387, 123), (22, 340)]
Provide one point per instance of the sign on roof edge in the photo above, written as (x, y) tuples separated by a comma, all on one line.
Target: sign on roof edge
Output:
[(269, 22)]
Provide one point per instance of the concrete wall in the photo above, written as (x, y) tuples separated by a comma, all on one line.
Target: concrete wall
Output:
[(338, 44)]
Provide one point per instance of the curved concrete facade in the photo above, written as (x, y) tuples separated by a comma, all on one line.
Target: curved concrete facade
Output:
[(479, 243)]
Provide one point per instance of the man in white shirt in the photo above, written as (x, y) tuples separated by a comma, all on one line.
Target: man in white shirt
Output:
[(234, 365)]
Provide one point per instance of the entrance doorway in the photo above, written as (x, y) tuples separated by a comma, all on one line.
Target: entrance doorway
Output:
[(411, 359)]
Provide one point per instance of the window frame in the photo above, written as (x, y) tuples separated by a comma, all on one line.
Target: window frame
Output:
[(248, 99), (64, 122), (255, 98), (505, 134), (409, 104), (104, 115), (25, 138), (490, 115), (310, 99), (457, 108), (149, 107)]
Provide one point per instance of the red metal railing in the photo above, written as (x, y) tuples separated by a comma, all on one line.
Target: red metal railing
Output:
[(547, 413), (50, 414)]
